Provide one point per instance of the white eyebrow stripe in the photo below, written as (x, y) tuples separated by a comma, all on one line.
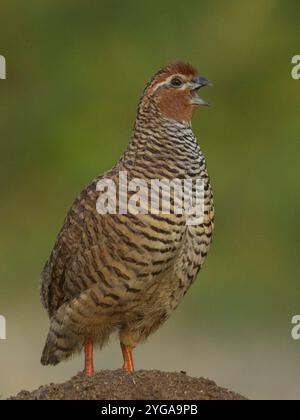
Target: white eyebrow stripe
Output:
[(167, 81)]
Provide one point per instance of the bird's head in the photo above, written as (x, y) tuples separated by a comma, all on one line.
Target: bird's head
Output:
[(174, 91)]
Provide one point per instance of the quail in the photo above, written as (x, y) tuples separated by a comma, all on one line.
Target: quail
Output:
[(126, 272)]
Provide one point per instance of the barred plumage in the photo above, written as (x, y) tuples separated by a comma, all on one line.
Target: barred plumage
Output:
[(129, 272)]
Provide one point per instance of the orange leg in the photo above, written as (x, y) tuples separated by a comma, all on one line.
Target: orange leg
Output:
[(128, 360), (89, 362)]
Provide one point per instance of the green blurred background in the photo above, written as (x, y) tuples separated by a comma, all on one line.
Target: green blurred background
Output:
[(75, 71)]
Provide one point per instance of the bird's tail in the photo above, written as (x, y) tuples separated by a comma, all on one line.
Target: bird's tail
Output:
[(54, 352), (62, 342), (73, 323)]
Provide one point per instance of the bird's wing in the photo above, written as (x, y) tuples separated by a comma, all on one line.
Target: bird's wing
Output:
[(114, 255), (94, 251)]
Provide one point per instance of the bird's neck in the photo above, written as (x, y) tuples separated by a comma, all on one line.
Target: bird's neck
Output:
[(157, 142)]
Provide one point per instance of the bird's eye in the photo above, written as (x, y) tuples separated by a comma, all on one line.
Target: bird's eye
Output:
[(176, 82)]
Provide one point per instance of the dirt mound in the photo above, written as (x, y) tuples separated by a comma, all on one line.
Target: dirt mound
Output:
[(119, 385)]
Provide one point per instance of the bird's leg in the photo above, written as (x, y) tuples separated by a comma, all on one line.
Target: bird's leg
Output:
[(89, 362), (128, 360)]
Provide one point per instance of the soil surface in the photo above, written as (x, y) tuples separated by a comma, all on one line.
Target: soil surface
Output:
[(140, 385)]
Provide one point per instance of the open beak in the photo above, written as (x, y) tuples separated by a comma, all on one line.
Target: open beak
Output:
[(196, 84)]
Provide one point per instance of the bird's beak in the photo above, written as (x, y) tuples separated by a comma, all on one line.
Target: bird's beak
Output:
[(196, 84)]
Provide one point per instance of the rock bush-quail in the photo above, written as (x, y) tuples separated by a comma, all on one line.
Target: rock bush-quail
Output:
[(127, 272)]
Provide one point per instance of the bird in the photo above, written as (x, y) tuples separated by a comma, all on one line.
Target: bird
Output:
[(126, 272)]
